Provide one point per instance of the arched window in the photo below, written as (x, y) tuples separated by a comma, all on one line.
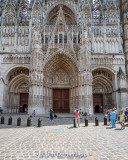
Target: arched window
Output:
[(24, 15), (97, 14), (68, 14)]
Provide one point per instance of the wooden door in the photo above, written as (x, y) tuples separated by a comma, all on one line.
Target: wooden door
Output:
[(23, 100), (61, 100), (98, 101)]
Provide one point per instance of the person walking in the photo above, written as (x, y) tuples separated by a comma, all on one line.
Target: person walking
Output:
[(34, 113), (1, 110), (113, 118), (109, 113), (77, 120), (51, 114), (106, 113), (30, 120), (81, 114), (126, 114), (122, 119), (116, 114), (90, 113), (55, 115)]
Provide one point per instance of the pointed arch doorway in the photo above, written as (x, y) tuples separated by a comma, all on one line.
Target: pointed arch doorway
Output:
[(102, 89), (60, 84), (18, 89)]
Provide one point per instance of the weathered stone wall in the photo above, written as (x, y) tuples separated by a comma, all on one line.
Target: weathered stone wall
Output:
[(81, 47)]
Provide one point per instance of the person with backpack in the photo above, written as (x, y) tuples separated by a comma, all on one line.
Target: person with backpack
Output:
[(122, 119)]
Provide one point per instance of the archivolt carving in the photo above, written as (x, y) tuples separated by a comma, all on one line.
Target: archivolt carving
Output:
[(98, 88), (18, 72), (23, 88), (102, 73), (19, 83), (102, 81), (105, 83), (60, 61), (61, 77)]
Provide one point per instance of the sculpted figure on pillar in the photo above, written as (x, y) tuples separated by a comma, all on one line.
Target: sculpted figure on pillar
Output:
[(36, 39)]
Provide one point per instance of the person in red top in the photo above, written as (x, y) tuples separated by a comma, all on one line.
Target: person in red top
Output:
[(77, 120)]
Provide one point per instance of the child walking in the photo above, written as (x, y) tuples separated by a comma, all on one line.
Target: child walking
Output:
[(31, 120), (122, 119), (34, 113)]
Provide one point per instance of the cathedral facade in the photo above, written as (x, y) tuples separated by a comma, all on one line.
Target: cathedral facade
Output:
[(63, 54)]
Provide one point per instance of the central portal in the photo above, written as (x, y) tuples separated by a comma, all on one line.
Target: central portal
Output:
[(61, 100)]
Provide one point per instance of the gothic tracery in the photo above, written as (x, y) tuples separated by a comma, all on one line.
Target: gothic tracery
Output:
[(65, 44)]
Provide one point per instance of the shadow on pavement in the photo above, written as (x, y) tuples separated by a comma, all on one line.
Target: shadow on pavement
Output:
[(108, 127), (118, 129), (126, 125), (71, 127)]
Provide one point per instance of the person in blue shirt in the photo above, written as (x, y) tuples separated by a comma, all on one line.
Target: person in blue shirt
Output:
[(126, 114), (34, 113), (113, 118)]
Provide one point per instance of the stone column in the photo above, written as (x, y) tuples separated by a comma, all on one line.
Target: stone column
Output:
[(36, 75), (122, 89), (85, 75), (16, 35), (85, 92)]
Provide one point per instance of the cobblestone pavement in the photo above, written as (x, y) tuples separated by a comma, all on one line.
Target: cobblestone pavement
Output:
[(58, 139)]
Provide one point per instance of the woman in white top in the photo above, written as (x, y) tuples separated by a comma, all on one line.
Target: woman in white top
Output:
[(90, 113)]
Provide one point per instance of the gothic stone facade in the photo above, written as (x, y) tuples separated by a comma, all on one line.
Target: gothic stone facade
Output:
[(63, 54)]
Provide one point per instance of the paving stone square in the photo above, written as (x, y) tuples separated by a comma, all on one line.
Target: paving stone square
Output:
[(58, 139)]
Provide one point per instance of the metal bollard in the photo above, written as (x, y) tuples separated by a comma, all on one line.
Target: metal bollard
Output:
[(105, 121), (96, 122), (86, 122), (28, 122), (10, 121), (74, 123), (39, 122), (19, 121), (2, 120)]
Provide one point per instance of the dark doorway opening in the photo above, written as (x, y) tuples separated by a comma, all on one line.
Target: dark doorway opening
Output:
[(97, 109), (23, 102), (25, 108), (98, 103)]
